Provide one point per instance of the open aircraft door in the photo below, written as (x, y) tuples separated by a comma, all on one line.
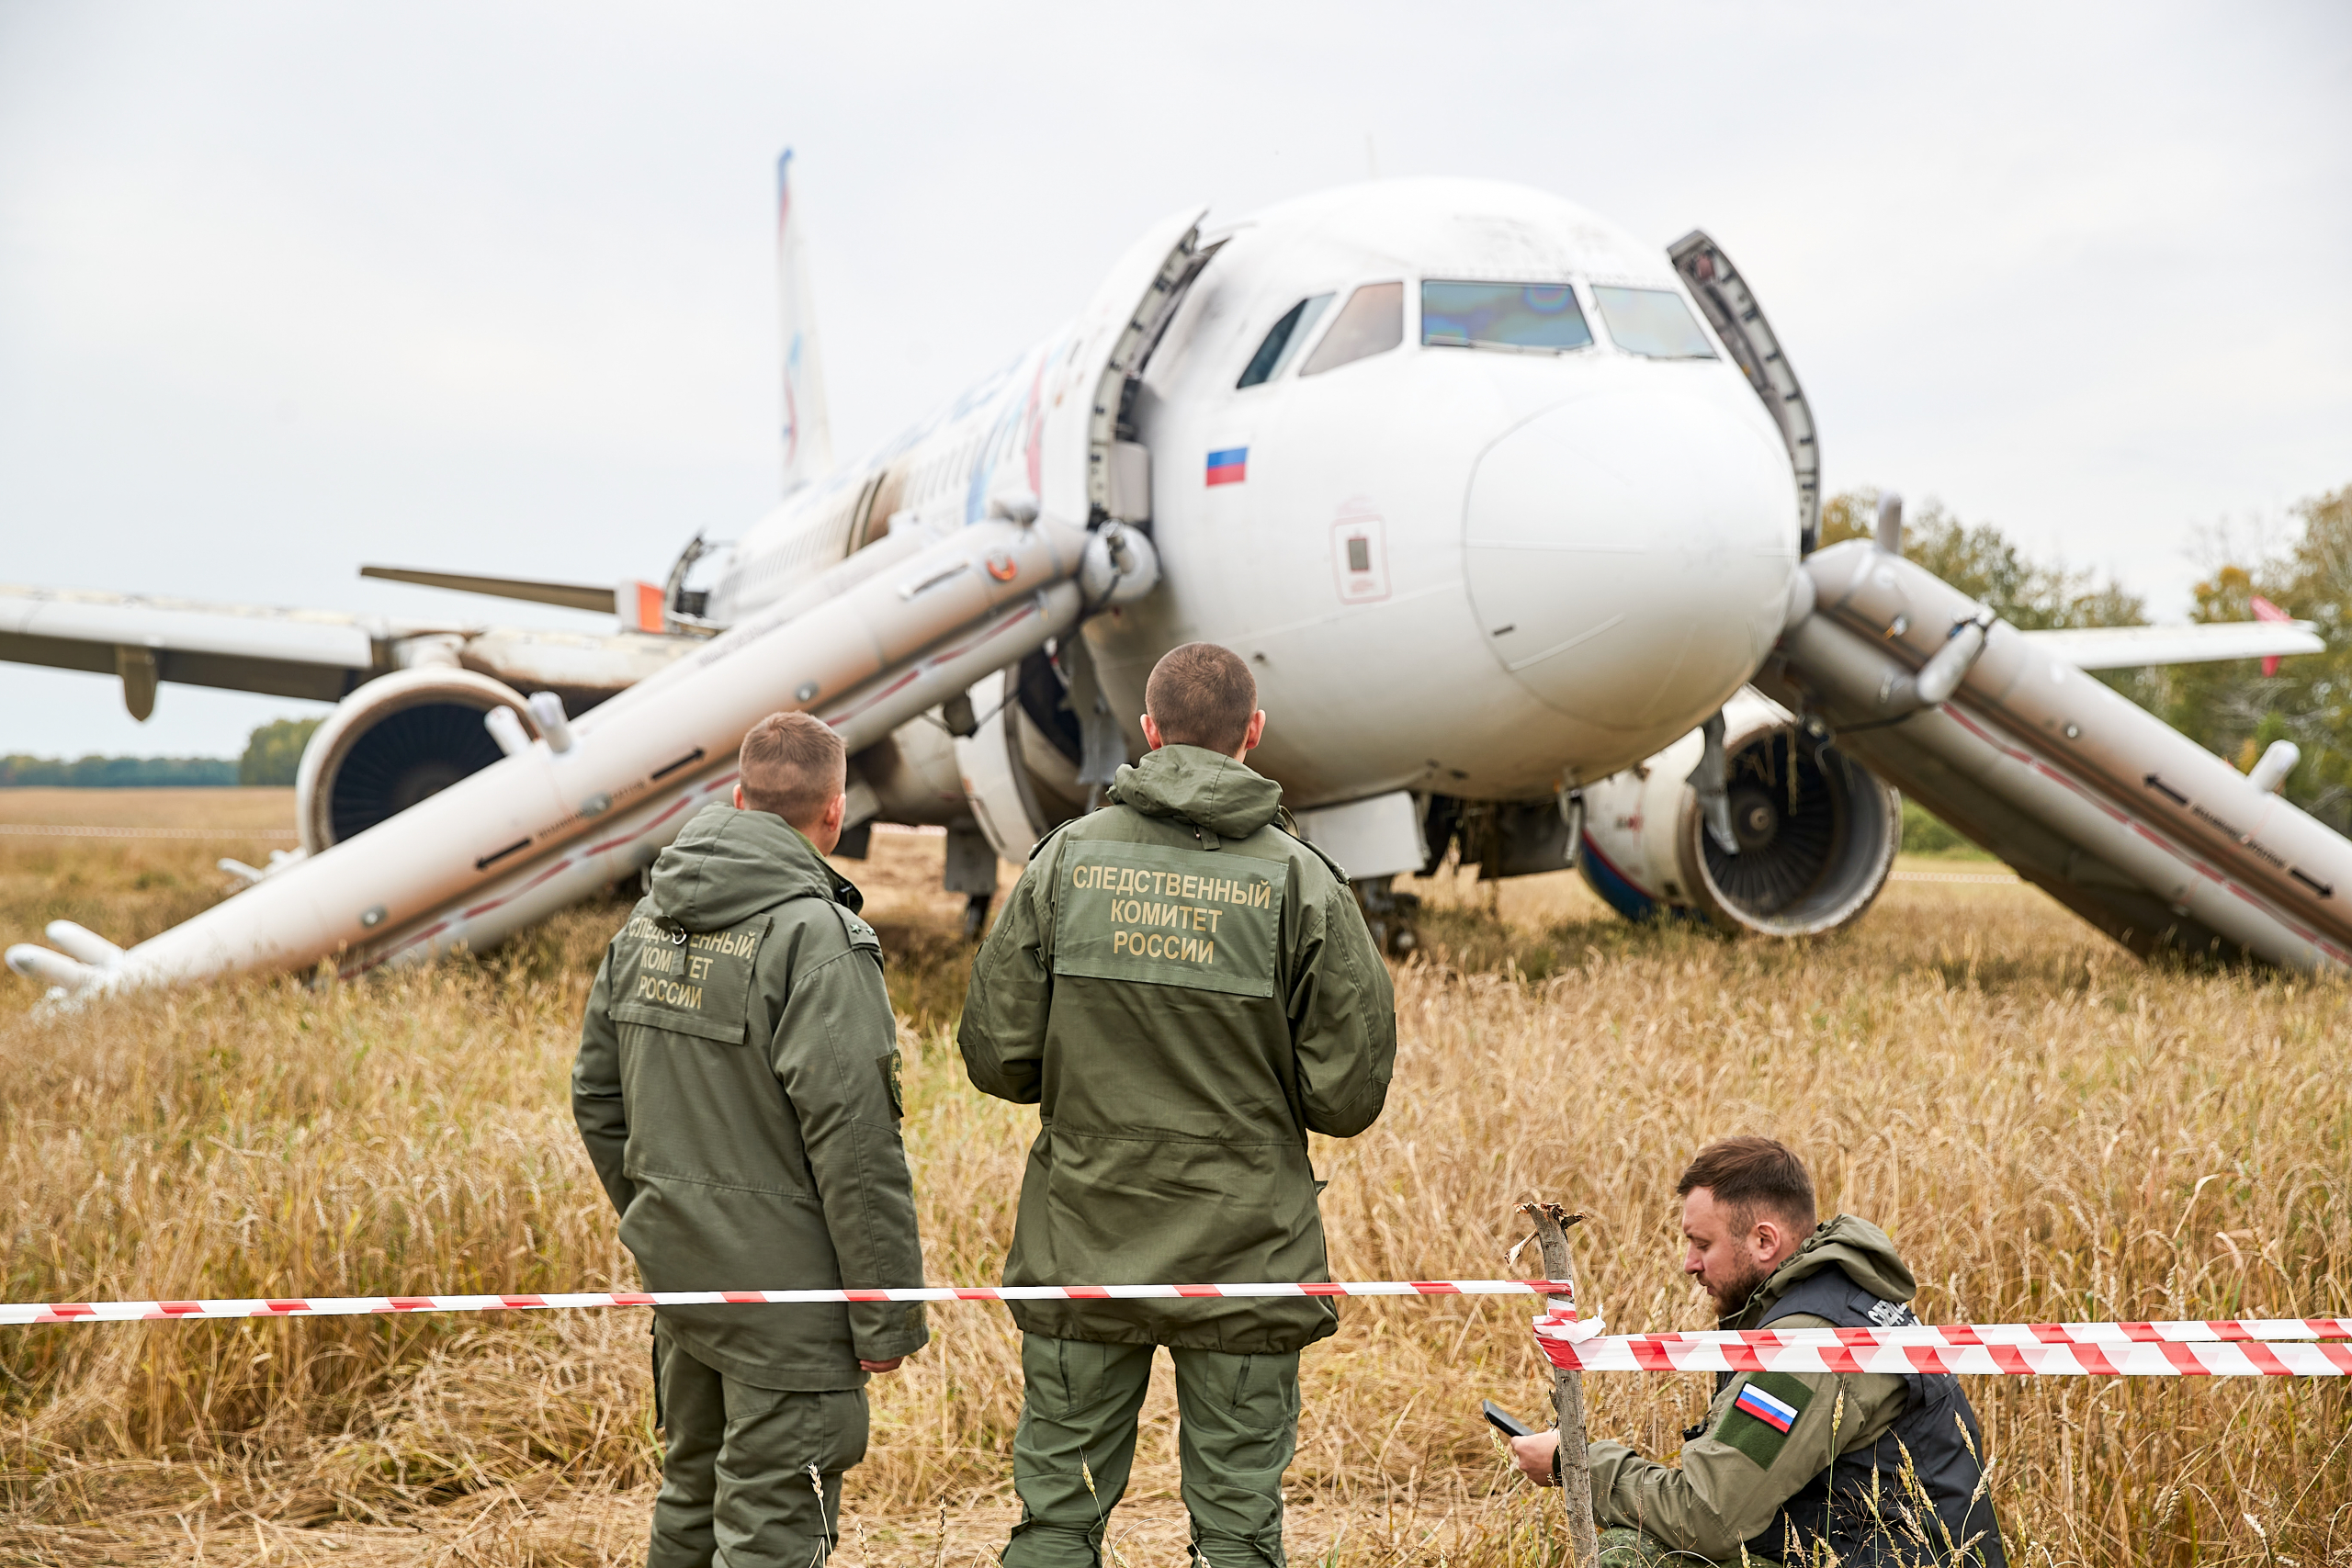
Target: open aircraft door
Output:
[(1084, 471)]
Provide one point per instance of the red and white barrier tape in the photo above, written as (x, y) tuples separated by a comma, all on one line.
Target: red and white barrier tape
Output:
[(2173, 1358), (2195, 1347), (340, 1306), (2179, 1331), (2213, 1347)]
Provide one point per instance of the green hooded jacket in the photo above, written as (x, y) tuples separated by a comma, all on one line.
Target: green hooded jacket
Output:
[(1735, 1477), (1184, 991), (737, 1089)]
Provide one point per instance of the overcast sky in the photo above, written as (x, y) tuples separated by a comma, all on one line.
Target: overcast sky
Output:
[(285, 289)]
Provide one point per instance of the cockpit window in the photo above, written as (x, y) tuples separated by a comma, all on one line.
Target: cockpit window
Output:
[(1283, 340), (1372, 322), (1652, 322), (1503, 315)]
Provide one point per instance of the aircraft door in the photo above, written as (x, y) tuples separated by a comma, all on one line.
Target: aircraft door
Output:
[(1084, 388)]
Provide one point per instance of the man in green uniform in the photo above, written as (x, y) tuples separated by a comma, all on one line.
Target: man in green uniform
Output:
[(737, 1089), (1886, 1471), (1185, 991)]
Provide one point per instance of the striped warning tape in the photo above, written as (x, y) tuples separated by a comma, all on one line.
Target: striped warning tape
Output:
[(2176, 1331), (2184, 1347), (343, 1306), (2170, 1357), (2191, 1347)]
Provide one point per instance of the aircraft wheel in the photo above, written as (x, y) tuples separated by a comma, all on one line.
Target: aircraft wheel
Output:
[(1389, 915), (976, 916)]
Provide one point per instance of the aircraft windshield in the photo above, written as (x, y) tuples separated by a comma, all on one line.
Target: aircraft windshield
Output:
[(1652, 322), (1283, 340), (1503, 315), (1372, 322)]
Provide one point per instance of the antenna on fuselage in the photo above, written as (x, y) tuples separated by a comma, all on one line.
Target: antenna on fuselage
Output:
[(807, 423)]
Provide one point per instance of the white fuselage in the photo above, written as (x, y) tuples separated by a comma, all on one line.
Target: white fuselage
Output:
[(1484, 571)]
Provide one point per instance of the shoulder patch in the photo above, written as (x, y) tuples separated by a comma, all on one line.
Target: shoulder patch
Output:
[(853, 926), (696, 982), (1762, 1415), (1167, 917)]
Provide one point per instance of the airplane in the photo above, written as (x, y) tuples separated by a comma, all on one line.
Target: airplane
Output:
[(1512, 516)]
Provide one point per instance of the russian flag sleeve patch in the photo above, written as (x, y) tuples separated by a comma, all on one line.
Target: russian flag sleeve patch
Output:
[(1762, 1415)]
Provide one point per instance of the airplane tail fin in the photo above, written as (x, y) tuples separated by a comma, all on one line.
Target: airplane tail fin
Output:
[(807, 423)]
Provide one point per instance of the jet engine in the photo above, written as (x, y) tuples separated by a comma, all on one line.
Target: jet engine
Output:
[(394, 741), (1021, 755), (1816, 833)]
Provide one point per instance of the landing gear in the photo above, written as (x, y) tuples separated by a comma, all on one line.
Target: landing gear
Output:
[(1389, 914), (971, 870)]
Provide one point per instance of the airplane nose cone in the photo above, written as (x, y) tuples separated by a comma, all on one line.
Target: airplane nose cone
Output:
[(1628, 556)]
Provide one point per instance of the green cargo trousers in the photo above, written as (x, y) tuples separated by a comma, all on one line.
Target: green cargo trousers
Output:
[(750, 1477), (1237, 1425)]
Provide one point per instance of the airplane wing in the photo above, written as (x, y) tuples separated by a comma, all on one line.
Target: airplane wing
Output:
[(322, 655), (146, 639), (2129, 648)]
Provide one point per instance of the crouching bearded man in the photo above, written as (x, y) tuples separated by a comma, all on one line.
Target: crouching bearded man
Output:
[(1886, 1471)]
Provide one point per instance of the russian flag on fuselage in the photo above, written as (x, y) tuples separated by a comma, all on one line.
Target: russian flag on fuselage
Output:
[(1775, 1413), (1229, 466)]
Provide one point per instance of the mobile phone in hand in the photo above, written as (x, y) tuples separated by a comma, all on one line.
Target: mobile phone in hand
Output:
[(1503, 1421)]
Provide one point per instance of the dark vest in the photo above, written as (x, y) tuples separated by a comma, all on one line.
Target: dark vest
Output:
[(1835, 1507)]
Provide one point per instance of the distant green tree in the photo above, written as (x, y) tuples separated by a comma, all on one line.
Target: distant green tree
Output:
[(115, 773), (1925, 833), (1986, 564), (275, 752), (2237, 711)]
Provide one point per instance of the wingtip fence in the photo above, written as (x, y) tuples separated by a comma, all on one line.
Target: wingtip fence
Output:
[(2298, 1347)]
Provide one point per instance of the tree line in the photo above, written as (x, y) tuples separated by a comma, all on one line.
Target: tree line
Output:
[(272, 753)]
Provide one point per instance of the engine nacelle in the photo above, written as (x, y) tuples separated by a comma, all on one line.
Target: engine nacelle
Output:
[(1817, 833), (1021, 763), (391, 743)]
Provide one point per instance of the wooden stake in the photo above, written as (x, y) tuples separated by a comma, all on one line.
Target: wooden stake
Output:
[(1552, 1225)]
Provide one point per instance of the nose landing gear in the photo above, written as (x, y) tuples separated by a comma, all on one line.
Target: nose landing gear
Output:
[(975, 915)]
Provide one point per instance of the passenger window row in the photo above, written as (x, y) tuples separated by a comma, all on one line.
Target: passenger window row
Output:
[(1537, 318)]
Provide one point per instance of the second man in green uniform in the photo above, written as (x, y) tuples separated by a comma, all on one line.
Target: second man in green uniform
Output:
[(1185, 991)]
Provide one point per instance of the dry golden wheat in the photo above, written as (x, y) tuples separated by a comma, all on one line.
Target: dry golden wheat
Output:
[(2048, 1128)]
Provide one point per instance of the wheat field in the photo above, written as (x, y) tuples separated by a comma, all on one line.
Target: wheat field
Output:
[(2047, 1128)]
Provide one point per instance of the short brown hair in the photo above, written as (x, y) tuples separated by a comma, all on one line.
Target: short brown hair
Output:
[(1751, 1173), (1201, 695), (793, 765)]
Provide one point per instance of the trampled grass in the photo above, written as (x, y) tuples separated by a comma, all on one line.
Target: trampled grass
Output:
[(2049, 1129)]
